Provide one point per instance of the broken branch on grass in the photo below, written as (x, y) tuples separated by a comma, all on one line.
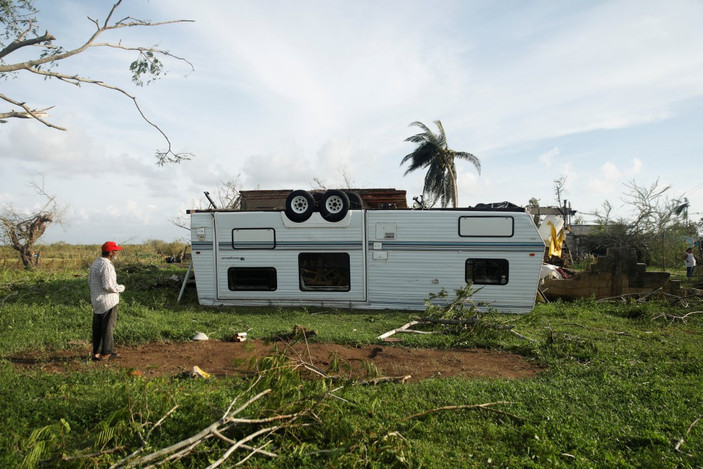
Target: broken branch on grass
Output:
[(642, 297), (672, 317), (451, 322), (385, 379), (402, 328), (486, 406), (682, 440), (217, 429)]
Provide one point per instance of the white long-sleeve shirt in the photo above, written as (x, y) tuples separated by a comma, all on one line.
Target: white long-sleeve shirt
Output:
[(104, 290), (690, 260)]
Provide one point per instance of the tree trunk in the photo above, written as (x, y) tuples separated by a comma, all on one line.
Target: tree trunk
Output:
[(29, 260), (452, 176)]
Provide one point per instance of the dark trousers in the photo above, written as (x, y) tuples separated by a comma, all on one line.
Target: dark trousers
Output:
[(689, 272), (103, 326)]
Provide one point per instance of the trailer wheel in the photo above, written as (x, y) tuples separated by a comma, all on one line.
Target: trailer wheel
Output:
[(354, 201), (335, 205), (299, 206)]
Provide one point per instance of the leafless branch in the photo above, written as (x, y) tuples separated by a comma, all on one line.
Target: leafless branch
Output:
[(486, 406), (217, 429), (682, 440), (673, 317), (28, 113)]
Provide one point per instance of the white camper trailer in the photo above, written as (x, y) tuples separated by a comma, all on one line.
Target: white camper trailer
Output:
[(368, 259)]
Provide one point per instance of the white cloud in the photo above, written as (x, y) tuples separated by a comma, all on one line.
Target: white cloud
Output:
[(601, 187), (610, 171), (547, 157), (636, 167)]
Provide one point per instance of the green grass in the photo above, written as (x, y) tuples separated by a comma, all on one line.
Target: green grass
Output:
[(621, 388)]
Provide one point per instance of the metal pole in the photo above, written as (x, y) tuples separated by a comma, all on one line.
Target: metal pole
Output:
[(185, 280)]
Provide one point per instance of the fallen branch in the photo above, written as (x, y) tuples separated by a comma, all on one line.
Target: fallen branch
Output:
[(385, 379), (486, 406), (522, 336), (217, 429), (451, 322), (681, 441), (672, 317), (641, 297), (402, 328)]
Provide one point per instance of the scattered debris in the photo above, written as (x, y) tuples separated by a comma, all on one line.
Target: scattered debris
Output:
[(453, 322), (199, 373), (200, 336), (614, 275), (400, 329), (385, 379), (677, 447), (239, 337), (231, 419), (673, 317)]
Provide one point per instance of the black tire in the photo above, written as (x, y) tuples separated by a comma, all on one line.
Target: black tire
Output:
[(354, 201), (299, 206), (334, 206)]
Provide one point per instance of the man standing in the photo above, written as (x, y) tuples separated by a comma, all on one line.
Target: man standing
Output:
[(104, 296), (690, 261)]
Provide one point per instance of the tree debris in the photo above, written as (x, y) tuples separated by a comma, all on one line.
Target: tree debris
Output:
[(485, 406), (672, 317), (677, 447), (229, 420)]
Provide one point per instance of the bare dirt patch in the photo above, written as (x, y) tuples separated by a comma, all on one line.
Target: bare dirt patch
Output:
[(236, 358)]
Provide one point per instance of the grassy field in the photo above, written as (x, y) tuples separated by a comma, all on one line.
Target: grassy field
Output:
[(623, 385)]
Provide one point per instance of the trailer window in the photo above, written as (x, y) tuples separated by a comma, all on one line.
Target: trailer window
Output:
[(486, 226), (487, 271), (252, 279), (254, 238), (324, 271)]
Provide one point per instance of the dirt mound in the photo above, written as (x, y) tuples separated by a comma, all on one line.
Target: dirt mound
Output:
[(237, 358)]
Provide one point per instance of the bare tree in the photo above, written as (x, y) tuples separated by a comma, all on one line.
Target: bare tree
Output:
[(559, 189), (228, 197), (22, 229), (21, 37), (653, 228), (347, 181), (228, 194)]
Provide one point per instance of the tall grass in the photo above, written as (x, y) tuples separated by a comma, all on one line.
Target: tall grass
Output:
[(622, 387)]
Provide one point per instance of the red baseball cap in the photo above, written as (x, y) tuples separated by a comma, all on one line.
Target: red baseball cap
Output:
[(110, 246)]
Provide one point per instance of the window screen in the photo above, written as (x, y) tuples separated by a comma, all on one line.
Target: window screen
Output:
[(252, 279), (324, 271), (487, 271)]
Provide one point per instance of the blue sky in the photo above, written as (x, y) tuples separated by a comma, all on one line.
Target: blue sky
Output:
[(284, 93)]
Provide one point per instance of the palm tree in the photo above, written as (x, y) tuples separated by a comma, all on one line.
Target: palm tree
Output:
[(434, 154), (681, 208)]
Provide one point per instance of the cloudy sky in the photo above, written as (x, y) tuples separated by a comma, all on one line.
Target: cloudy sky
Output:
[(285, 93)]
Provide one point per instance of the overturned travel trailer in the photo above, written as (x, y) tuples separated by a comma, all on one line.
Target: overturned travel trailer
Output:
[(332, 253)]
